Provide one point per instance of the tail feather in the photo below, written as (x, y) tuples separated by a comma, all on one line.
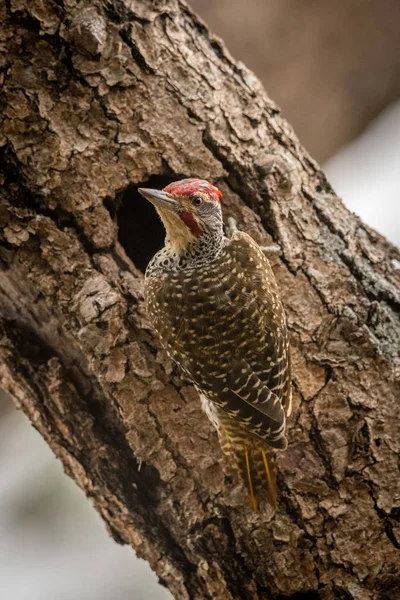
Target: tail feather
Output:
[(257, 467), (249, 482), (256, 461)]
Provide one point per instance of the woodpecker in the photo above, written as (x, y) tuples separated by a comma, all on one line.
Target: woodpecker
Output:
[(215, 304)]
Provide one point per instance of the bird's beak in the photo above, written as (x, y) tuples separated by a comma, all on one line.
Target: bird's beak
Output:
[(160, 199)]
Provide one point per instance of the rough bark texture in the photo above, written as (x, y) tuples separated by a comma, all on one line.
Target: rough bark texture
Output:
[(99, 98), (331, 66)]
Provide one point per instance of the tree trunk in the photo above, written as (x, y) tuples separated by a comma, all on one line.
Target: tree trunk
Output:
[(102, 97)]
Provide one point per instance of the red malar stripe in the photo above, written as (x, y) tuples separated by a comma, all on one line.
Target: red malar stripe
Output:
[(191, 222)]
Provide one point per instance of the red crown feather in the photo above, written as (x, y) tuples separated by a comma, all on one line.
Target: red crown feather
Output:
[(187, 187)]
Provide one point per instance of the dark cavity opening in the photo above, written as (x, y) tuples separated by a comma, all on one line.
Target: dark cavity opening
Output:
[(140, 230)]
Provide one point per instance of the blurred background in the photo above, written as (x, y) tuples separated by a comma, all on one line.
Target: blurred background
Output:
[(334, 69)]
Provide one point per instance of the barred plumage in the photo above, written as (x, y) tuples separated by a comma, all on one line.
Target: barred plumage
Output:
[(215, 303)]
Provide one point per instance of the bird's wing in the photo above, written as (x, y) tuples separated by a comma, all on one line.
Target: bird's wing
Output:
[(273, 365), (245, 398), (255, 390)]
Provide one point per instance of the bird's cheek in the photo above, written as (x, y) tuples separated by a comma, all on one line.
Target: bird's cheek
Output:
[(191, 222)]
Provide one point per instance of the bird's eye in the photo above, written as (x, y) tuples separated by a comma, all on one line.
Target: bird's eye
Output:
[(196, 200)]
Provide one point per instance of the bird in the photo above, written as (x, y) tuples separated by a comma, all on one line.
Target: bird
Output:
[(214, 302)]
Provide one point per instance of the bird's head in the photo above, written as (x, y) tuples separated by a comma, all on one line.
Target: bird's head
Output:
[(190, 210)]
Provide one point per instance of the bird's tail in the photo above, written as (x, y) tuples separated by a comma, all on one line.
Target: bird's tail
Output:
[(257, 467), (255, 461)]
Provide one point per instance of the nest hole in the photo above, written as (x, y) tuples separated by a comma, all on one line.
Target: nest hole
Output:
[(140, 230)]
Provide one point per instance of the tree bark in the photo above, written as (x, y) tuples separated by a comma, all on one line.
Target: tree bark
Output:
[(97, 99), (331, 66)]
